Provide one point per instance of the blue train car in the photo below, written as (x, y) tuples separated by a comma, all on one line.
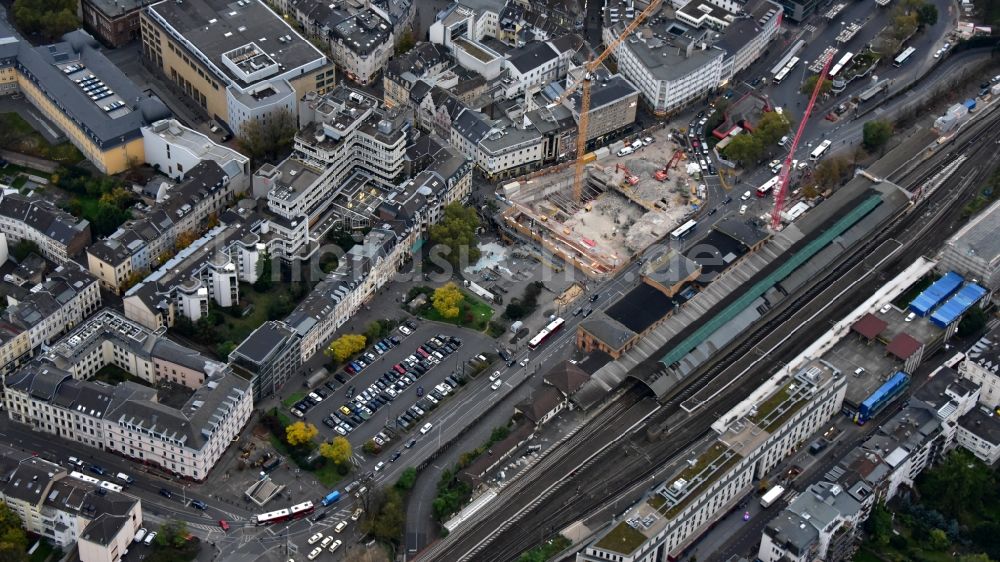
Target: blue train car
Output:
[(882, 397)]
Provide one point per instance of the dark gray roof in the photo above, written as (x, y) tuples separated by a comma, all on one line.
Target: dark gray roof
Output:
[(39, 64), (363, 32), (265, 341), (116, 8), (982, 425), (472, 125), (45, 217), (418, 60), (30, 479), (531, 56)]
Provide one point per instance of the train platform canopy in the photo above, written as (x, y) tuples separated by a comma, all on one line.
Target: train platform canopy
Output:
[(869, 326), (956, 306), (936, 293)]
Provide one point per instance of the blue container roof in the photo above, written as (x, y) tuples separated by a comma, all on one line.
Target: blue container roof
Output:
[(937, 292), (956, 306), (886, 388)]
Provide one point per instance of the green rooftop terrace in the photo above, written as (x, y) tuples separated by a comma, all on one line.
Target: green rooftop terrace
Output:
[(774, 411), (623, 539)]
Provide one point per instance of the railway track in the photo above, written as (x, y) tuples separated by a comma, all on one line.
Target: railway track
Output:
[(633, 471)]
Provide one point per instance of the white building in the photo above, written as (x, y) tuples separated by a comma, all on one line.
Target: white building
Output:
[(532, 66), (175, 149), (58, 234), (982, 367), (974, 251), (752, 438), (677, 62), (53, 396), (68, 510)]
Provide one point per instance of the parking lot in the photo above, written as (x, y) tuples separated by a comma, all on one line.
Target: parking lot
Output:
[(385, 416)]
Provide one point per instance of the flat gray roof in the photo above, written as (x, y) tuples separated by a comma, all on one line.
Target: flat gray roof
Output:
[(216, 27)]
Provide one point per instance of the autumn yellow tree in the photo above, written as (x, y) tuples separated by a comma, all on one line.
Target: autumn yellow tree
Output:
[(447, 299), (345, 346), (300, 433), (339, 450)]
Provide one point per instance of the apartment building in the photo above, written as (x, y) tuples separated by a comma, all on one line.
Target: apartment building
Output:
[(37, 314), (53, 395), (58, 234), (424, 62), (532, 66), (981, 366), (143, 243), (469, 20), (613, 103), (174, 150), (752, 438), (99, 109), (362, 45), (115, 22), (268, 357), (974, 250), (678, 61), (238, 61), (210, 269), (67, 510)]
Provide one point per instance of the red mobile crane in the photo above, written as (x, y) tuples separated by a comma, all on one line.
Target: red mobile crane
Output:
[(779, 197)]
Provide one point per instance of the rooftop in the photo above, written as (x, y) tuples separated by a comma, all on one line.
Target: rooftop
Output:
[(984, 425), (481, 52), (978, 239), (986, 352), (45, 217), (641, 307), (531, 56), (114, 8), (243, 41), (364, 32)]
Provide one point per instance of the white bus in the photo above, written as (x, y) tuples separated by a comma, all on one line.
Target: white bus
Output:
[(841, 64), (820, 150), (903, 57), (683, 230), (780, 76)]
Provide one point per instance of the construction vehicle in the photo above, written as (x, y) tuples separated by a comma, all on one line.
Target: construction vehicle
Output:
[(664, 174), (630, 178), (589, 68), (786, 169)]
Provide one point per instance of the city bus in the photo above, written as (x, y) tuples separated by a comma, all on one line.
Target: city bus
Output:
[(820, 150), (903, 57), (294, 512), (683, 230), (770, 184), (841, 64), (543, 336), (784, 71)]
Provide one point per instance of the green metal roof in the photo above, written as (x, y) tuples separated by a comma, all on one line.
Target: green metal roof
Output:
[(761, 287)]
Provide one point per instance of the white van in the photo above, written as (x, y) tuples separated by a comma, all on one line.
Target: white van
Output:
[(626, 151), (427, 427), (783, 141), (746, 195), (125, 478), (636, 144)]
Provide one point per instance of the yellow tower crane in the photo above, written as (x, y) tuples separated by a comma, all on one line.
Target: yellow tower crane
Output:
[(589, 68)]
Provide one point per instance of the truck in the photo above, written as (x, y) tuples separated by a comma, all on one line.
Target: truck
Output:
[(271, 464), (970, 104), (771, 496), (330, 498)]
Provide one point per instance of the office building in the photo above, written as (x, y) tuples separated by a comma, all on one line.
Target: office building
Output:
[(173, 150), (268, 357), (974, 251), (99, 109), (238, 61), (53, 395)]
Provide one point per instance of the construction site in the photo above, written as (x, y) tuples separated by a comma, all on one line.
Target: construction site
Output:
[(626, 204)]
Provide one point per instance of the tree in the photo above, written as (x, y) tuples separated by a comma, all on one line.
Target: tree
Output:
[(339, 450), (904, 24), (830, 172), (361, 553), (185, 239), (374, 330), (938, 540), (52, 18), (974, 558), (447, 300), (457, 233), (771, 127), (172, 534), (223, 350), (300, 433), (971, 322), (264, 273), (23, 249), (345, 346), (745, 149), (876, 134), (270, 137), (13, 540), (384, 519), (407, 479), (927, 14), (406, 42), (810, 84), (879, 524)]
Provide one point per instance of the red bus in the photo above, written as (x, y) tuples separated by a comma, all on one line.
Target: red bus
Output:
[(553, 327), (294, 512)]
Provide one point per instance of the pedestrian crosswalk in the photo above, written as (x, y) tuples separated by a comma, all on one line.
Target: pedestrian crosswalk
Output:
[(810, 28)]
